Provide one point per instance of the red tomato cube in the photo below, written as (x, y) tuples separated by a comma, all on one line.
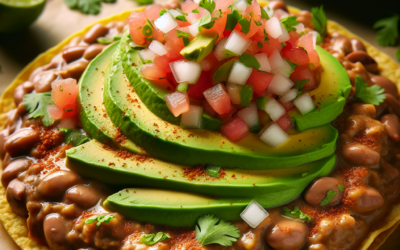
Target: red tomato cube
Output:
[(295, 55), (304, 72), (150, 71), (64, 92), (177, 103), (196, 90), (235, 129), (218, 98), (285, 122), (307, 42), (259, 80)]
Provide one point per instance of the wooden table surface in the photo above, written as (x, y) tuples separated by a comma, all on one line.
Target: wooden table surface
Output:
[(57, 22)]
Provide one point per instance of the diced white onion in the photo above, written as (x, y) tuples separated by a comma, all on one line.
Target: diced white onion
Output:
[(147, 55), (192, 118), (280, 14), (166, 22), (158, 48), (304, 103), (315, 35), (274, 136), (284, 36), (270, 12), (175, 13), (280, 85), (197, 1), (274, 109), (239, 73), (250, 115), (273, 27), (237, 43), (289, 96), (262, 58), (254, 214), (220, 52), (276, 61), (186, 72), (299, 28), (241, 5), (234, 92), (194, 29), (285, 70)]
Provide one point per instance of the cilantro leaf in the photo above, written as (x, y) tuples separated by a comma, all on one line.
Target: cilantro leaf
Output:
[(319, 20), (341, 187), (100, 219), (249, 61), (245, 25), (264, 13), (36, 104), (295, 214), (398, 55), (289, 23), (186, 41), (75, 136), (300, 84), (208, 5), (181, 18), (388, 30), (328, 198), (144, 2), (163, 11), (89, 6), (206, 22), (213, 170), (195, 11), (246, 95), (372, 95), (72, 4), (232, 20), (260, 45), (211, 229), (261, 102), (182, 34), (152, 239)]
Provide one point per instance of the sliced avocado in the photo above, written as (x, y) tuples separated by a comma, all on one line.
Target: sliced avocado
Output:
[(269, 187), (193, 147), (329, 97), (150, 93), (172, 208), (222, 73), (93, 114), (200, 47)]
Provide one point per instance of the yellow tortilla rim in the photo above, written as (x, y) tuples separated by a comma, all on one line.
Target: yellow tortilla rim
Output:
[(16, 226)]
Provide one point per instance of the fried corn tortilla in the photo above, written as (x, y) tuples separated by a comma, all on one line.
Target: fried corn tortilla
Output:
[(16, 226)]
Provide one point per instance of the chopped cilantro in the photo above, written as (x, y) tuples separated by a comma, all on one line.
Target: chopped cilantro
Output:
[(295, 214), (186, 41), (257, 23), (213, 170), (266, 36), (85, 6), (245, 25), (77, 137), (246, 95), (289, 23), (292, 64), (195, 11), (319, 20), (147, 29), (181, 18), (206, 22), (232, 20), (100, 219), (261, 102), (388, 30), (264, 13), (249, 61), (372, 95), (260, 45), (300, 84), (152, 239), (144, 2), (163, 11), (217, 14), (341, 187), (36, 104), (182, 34), (213, 230), (398, 55), (328, 198), (208, 5)]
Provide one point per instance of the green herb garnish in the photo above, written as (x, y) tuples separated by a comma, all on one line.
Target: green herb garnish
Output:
[(260, 45), (300, 84), (77, 137), (163, 11), (245, 25), (372, 95), (249, 61), (213, 230), (319, 20), (213, 170), (289, 23), (264, 13), (388, 30), (261, 102), (195, 11), (85, 6), (182, 34), (246, 95), (144, 2), (328, 198), (208, 5), (147, 29), (232, 20), (100, 219), (206, 22), (186, 41), (152, 239), (266, 36), (36, 104), (181, 18), (295, 214), (341, 187)]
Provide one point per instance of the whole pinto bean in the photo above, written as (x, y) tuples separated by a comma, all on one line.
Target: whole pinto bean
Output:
[(360, 56), (56, 184), (3, 135), (43, 81), (84, 196), (98, 30), (392, 104), (360, 155), (389, 86), (93, 51), (367, 199), (342, 45), (21, 90), (55, 231), (392, 126), (76, 69), (21, 141), (287, 235), (13, 169), (317, 192), (357, 45), (364, 109), (274, 5), (73, 53), (15, 195)]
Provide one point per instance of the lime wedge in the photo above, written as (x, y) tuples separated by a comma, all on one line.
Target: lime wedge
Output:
[(16, 15)]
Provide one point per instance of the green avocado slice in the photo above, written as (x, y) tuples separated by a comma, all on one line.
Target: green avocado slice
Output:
[(269, 187), (193, 147), (93, 115), (151, 94), (329, 97)]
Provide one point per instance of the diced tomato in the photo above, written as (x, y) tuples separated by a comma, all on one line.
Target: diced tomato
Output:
[(152, 12), (253, 29), (255, 9), (235, 129), (228, 115), (174, 45), (271, 45), (287, 105), (188, 6), (227, 33), (218, 98), (263, 117), (304, 72), (208, 62), (196, 90), (64, 92), (193, 17), (158, 35), (55, 112), (162, 62), (253, 48), (279, 13), (67, 122), (208, 109), (294, 36), (307, 42), (259, 80), (218, 27), (171, 79), (150, 71), (178, 103), (223, 4), (295, 55), (136, 21), (70, 110), (285, 122)]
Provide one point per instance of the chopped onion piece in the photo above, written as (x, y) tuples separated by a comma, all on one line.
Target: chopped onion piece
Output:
[(289, 96), (239, 73), (234, 92), (158, 48), (186, 72), (315, 36), (177, 102), (284, 36), (273, 27), (250, 115), (304, 103), (220, 52), (276, 61), (197, 1), (147, 55), (274, 136), (262, 58), (194, 29), (192, 118), (175, 13), (254, 214), (280, 14), (270, 12), (237, 43), (166, 22), (274, 109), (280, 85), (299, 28), (241, 5), (285, 70)]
